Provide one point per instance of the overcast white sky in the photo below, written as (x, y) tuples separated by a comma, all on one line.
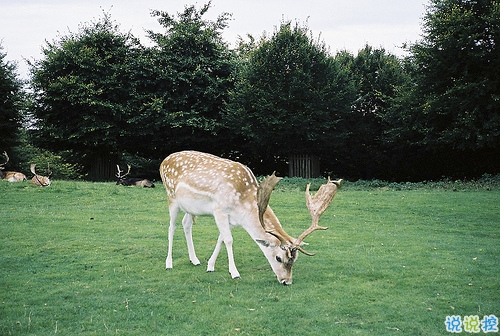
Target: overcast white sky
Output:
[(25, 25)]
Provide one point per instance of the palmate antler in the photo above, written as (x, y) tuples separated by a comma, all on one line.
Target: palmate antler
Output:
[(316, 204), (33, 167), (263, 195)]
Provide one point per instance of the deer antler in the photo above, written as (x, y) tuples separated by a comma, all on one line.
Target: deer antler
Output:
[(263, 195), (32, 168), (3, 164), (317, 205), (120, 172), (39, 180)]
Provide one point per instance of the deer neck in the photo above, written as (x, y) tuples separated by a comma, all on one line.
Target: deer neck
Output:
[(257, 232)]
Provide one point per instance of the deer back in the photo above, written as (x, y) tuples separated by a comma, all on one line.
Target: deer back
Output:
[(13, 176), (199, 182)]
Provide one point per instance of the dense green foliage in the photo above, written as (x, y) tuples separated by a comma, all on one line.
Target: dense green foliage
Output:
[(101, 98), (83, 92), (101, 95), (290, 98), (462, 100), (378, 78), (189, 72), (11, 97), (89, 258), (456, 122)]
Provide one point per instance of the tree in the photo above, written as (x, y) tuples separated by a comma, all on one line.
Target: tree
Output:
[(458, 62), (290, 97), (379, 78), (84, 92), (102, 96), (11, 100), (190, 73)]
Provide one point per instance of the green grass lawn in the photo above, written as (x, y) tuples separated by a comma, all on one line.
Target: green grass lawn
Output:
[(89, 258)]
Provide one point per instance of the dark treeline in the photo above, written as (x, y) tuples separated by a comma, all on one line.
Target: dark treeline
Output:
[(99, 97)]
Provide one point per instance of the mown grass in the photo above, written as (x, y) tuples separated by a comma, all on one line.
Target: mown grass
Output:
[(88, 258)]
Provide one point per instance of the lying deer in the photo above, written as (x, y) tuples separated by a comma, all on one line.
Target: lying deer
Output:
[(204, 184), (39, 180), (132, 181), (10, 176)]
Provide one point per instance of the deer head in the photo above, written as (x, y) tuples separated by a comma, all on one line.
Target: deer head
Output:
[(132, 181), (119, 172), (39, 180), (289, 246)]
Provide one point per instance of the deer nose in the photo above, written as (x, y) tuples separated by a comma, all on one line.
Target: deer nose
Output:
[(286, 282)]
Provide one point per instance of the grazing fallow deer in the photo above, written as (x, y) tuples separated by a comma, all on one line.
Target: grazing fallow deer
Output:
[(39, 180), (203, 184), (132, 181), (10, 176)]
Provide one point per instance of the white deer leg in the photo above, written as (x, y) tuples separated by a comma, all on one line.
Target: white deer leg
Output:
[(187, 224), (222, 220), (171, 230), (215, 254)]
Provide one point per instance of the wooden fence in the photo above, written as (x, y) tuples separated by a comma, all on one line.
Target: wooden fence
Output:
[(306, 166), (102, 169)]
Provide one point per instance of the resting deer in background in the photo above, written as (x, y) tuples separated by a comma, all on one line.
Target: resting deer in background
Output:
[(10, 176), (132, 181), (39, 180), (204, 184)]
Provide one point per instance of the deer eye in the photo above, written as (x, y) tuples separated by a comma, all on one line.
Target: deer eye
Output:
[(278, 259)]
